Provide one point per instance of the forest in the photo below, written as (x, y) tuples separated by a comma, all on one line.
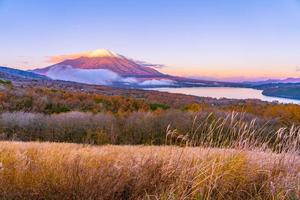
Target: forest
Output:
[(43, 114)]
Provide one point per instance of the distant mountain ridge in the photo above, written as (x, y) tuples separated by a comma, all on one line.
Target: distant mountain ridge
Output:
[(273, 81), (16, 74)]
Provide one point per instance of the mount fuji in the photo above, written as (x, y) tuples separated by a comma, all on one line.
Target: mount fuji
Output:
[(104, 67)]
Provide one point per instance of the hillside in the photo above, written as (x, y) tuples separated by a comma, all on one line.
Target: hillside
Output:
[(292, 92), (286, 88)]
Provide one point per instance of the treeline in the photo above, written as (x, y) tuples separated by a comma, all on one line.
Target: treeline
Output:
[(285, 114), (50, 101), (219, 129), (101, 128)]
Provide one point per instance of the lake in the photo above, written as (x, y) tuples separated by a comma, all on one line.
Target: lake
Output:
[(226, 92)]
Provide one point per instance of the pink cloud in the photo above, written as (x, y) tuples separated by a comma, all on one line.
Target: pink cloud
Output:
[(60, 58)]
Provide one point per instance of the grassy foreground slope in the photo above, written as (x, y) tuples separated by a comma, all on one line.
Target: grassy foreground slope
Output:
[(72, 171)]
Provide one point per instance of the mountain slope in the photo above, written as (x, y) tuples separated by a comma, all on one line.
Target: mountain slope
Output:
[(104, 67), (105, 59)]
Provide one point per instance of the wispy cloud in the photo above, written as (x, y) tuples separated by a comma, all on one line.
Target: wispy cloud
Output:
[(60, 58), (157, 82), (95, 53), (146, 64)]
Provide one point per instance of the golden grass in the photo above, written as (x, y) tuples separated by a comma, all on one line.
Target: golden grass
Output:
[(71, 171)]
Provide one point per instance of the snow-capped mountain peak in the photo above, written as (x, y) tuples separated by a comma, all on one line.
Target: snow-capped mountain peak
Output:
[(104, 67), (104, 59), (102, 53)]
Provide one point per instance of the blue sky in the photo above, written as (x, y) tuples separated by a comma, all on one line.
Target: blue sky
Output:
[(212, 38)]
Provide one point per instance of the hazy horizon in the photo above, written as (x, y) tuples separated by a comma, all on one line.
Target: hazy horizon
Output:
[(232, 40)]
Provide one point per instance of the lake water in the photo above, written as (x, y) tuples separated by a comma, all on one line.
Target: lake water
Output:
[(226, 92)]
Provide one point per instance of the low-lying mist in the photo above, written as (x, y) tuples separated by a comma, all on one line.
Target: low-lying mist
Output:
[(100, 77)]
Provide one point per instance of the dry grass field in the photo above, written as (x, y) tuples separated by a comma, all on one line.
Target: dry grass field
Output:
[(36, 170)]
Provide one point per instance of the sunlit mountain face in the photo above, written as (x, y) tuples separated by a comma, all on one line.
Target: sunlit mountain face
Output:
[(106, 59), (105, 67)]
